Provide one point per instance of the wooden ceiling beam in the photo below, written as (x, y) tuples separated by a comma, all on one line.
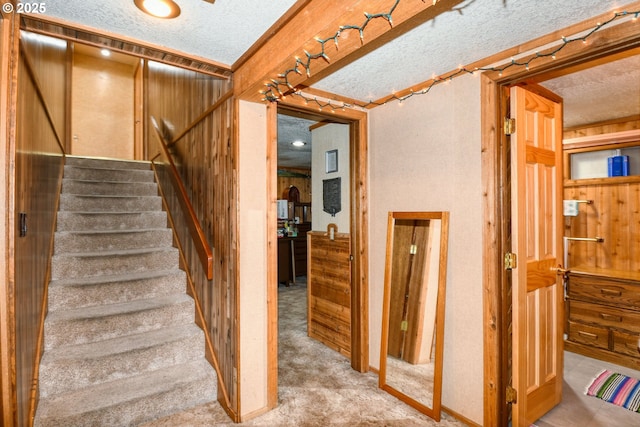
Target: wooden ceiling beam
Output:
[(321, 21)]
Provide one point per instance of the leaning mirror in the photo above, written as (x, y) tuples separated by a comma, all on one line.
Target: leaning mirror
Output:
[(413, 309)]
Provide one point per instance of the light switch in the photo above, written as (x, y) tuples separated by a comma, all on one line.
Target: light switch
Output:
[(570, 207)]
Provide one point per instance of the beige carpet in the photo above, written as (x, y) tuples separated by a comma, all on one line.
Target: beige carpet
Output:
[(317, 386)]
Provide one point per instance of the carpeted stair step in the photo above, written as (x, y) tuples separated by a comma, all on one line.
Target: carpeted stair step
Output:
[(133, 400), (80, 241), (104, 174), (90, 264), (79, 221), (120, 343), (111, 289), (90, 203), (69, 368), (103, 163), (102, 322), (109, 188)]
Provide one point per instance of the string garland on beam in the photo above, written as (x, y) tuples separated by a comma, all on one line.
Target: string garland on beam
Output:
[(280, 88)]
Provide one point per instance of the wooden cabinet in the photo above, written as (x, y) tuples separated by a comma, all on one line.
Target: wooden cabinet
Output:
[(603, 315)]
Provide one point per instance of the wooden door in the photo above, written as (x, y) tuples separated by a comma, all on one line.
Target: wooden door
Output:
[(536, 173)]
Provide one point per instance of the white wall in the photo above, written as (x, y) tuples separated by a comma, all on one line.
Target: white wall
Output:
[(425, 156), (252, 201), (323, 139)]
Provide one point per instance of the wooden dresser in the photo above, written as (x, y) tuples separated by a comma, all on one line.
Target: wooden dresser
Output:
[(603, 315)]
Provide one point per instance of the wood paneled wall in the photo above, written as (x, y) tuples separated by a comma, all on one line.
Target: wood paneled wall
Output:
[(38, 173), (302, 183), (614, 214), (206, 158), (612, 126)]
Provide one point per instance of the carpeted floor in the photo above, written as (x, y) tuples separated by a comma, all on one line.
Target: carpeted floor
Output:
[(317, 386)]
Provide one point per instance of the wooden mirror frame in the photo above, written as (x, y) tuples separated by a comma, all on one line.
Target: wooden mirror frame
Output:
[(434, 411)]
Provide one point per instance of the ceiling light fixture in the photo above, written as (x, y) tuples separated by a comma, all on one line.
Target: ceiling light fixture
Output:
[(105, 52), (159, 8), (298, 143)]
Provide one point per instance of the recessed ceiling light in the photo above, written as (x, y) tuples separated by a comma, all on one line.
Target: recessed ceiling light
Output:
[(298, 143), (158, 8), (105, 52)]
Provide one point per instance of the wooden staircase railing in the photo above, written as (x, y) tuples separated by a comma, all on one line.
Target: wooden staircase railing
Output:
[(164, 160)]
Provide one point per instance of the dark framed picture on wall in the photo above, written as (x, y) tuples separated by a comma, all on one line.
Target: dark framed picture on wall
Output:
[(331, 161)]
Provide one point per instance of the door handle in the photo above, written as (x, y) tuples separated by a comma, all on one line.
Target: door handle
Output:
[(560, 270)]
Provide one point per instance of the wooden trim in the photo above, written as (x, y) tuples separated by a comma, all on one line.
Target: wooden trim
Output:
[(323, 19), (272, 257), (58, 28), (588, 143), (460, 417), (310, 92), (9, 39), (608, 41), (68, 136), (359, 222), (635, 117), (201, 320), (359, 244), (614, 180), (202, 246), (491, 253), (138, 111), (529, 46), (224, 98)]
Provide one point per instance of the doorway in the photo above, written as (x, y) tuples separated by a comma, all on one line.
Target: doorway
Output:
[(357, 183), (496, 180), (105, 102)]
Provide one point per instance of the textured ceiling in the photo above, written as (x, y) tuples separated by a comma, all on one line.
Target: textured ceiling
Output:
[(601, 93), (221, 32), (476, 29), (294, 129)]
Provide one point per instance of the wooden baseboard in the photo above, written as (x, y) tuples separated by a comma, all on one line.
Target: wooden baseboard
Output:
[(461, 418), (605, 355)]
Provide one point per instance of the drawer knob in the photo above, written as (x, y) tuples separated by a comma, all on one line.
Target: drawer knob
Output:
[(587, 335), (611, 292), (612, 317)]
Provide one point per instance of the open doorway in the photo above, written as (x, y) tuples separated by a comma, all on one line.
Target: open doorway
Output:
[(354, 166)]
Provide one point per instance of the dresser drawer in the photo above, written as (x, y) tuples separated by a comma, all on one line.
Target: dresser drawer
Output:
[(626, 343), (610, 291), (590, 335), (605, 316)]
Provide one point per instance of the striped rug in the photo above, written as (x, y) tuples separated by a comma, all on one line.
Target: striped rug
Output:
[(616, 388)]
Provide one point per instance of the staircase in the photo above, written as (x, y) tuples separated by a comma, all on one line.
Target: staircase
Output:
[(121, 346)]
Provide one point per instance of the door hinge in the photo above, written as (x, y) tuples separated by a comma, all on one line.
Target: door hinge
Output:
[(509, 126), (511, 395), (413, 249), (404, 326), (510, 261)]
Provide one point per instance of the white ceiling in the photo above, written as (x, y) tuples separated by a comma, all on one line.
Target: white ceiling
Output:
[(221, 32), (476, 29)]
